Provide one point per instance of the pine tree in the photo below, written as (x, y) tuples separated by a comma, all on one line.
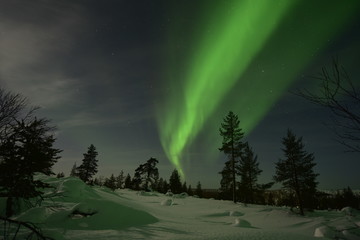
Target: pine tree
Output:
[(189, 191), (110, 182), (166, 186), (198, 190), (27, 150), (175, 182), (120, 180), (232, 146), (184, 187), (295, 172), (160, 186), (128, 182), (147, 173), (249, 171), (88, 168), (74, 172), (136, 181)]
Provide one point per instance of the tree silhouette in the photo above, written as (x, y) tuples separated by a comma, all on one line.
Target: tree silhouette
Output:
[(147, 173), (120, 180), (110, 182), (232, 146), (249, 171), (128, 182), (341, 96), (88, 168), (175, 182), (199, 191), (27, 150), (295, 172), (74, 172)]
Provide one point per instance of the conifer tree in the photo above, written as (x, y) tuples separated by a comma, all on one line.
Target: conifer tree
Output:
[(190, 191), (249, 171), (160, 186), (136, 181), (166, 186), (27, 150), (88, 168), (232, 146), (110, 182), (295, 171), (148, 174), (120, 180), (199, 191), (184, 187), (74, 172), (128, 182), (175, 182)]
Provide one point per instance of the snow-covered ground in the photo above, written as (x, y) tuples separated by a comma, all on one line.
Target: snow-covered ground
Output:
[(126, 214)]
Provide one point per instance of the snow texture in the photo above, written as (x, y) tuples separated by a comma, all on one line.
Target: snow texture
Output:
[(84, 212)]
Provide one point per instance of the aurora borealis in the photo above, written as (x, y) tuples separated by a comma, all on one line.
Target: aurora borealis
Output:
[(232, 37), (141, 79)]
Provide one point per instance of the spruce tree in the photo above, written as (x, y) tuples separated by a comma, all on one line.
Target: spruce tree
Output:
[(184, 187), (136, 181), (249, 171), (73, 172), (189, 191), (232, 146), (175, 182), (110, 182), (88, 168), (128, 182), (26, 151), (199, 191), (295, 171), (120, 180)]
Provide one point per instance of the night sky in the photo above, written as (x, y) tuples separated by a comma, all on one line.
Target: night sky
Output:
[(141, 79)]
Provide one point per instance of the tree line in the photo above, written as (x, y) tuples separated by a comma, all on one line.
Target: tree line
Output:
[(146, 177)]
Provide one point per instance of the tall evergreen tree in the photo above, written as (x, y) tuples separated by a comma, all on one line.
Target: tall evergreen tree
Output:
[(120, 180), (128, 182), (175, 182), (190, 191), (136, 181), (88, 168), (27, 150), (110, 182), (199, 191), (184, 187), (73, 172), (249, 171), (295, 172), (232, 146)]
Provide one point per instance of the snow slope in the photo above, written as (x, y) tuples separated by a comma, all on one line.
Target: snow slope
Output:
[(126, 214)]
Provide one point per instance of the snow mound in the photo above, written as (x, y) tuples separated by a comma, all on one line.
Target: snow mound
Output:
[(324, 232), (84, 207), (181, 195), (348, 211), (167, 202), (241, 223), (148, 194), (235, 213), (350, 236)]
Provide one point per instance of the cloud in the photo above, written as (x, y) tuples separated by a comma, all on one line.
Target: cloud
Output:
[(32, 49)]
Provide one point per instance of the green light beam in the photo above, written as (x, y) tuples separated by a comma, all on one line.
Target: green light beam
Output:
[(230, 42)]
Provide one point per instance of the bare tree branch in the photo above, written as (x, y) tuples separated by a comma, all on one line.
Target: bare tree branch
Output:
[(342, 97)]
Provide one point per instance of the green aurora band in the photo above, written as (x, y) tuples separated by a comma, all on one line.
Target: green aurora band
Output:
[(229, 43)]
